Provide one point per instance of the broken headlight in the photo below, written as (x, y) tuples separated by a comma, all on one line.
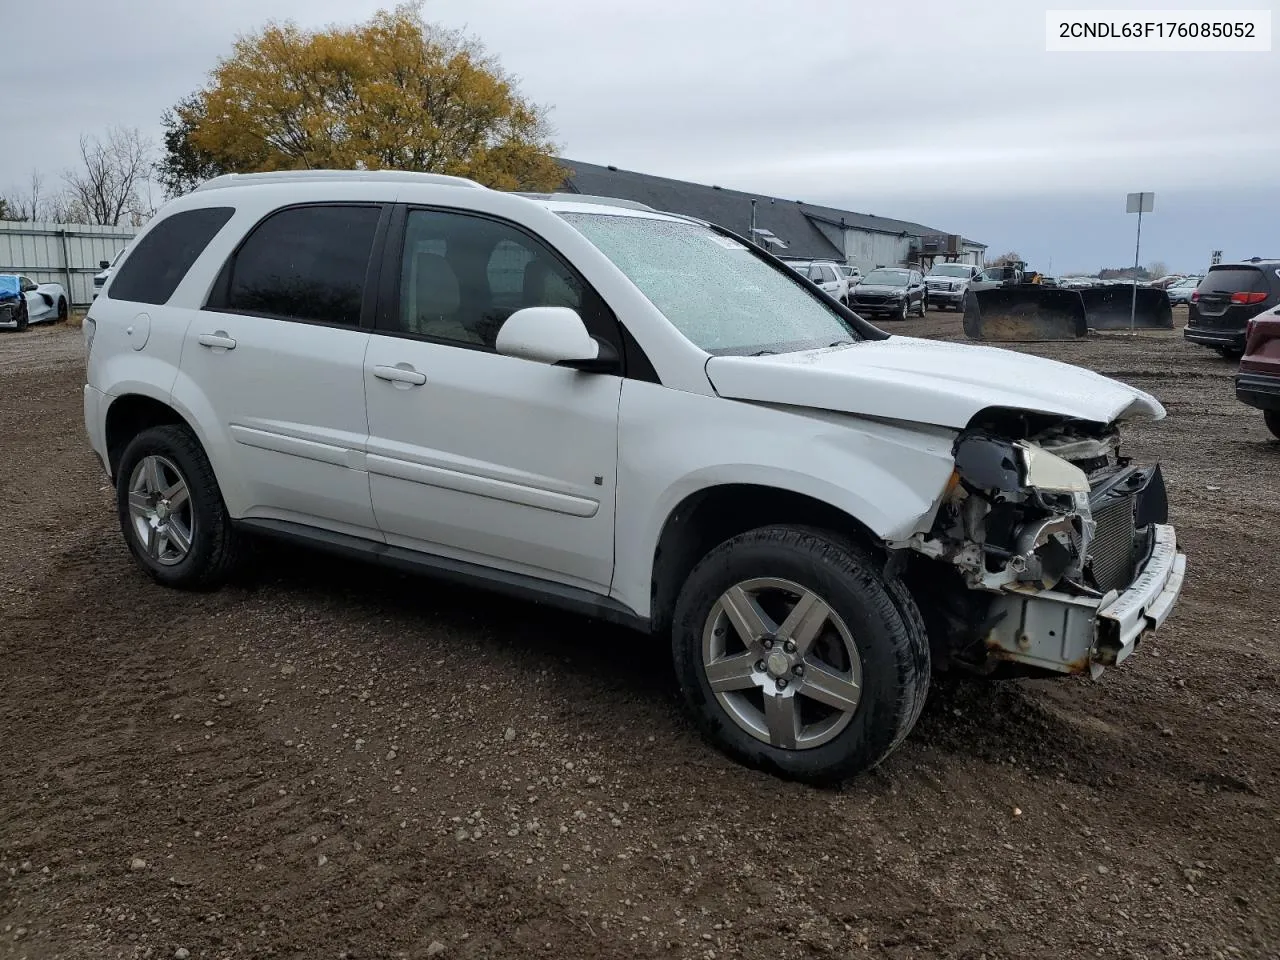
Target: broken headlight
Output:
[(992, 463)]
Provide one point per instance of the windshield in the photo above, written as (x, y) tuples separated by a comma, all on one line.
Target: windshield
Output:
[(890, 278), (715, 291), (949, 270)]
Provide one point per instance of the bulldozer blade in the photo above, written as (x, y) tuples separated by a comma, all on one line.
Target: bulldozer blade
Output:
[(1028, 313), (1108, 308)]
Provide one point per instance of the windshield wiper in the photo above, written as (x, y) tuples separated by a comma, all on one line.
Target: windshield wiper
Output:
[(841, 343), (764, 353)]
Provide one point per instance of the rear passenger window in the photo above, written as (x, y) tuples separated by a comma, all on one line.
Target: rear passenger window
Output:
[(303, 263), (162, 258)]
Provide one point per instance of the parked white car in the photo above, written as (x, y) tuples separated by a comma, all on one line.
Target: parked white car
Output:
[(23, 301), (947, 283), (105, 267), (836, 279), (634, 415)]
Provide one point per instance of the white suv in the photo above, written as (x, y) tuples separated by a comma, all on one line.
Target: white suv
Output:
[(631, 414)]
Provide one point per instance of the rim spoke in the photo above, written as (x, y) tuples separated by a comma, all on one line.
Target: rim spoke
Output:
[(162, 543), (732, 673), (151, 475), (747, 618), (823, 684), (139, 503), (782, 716), (176, 495), (152, 543), (805, 621), (179, 537)]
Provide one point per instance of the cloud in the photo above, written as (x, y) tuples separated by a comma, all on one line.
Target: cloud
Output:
[(926, 111)]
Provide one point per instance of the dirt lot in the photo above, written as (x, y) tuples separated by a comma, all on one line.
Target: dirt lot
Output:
[(328, 761)]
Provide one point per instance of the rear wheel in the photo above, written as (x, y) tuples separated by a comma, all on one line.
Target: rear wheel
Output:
[(171, 510), (1272, 418), (62, 309), (796, 656)]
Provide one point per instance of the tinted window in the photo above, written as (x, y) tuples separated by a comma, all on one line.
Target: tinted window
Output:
[(304, 263), (462, 276), (162, 258), (1234, 280), (828, 275)]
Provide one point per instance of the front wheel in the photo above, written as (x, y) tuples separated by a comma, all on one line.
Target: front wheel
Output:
[(796, 656), (23, 318), (171, 510), (902, 312), (1272, 419)]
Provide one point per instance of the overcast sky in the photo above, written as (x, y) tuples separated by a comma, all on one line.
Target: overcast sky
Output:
[(951, 114)]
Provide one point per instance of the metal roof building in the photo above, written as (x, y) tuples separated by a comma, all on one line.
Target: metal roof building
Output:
[(807, 230)]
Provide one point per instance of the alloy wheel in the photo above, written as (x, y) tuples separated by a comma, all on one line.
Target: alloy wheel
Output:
[(781, 663), (160, 510)]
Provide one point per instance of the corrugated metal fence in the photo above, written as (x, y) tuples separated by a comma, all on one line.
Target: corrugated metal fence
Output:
[(65, 253)]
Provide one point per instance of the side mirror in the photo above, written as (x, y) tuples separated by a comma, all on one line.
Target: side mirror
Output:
[(555, 336), (103, 264)]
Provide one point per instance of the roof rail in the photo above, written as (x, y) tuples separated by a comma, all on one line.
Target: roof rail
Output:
[(591, 198), (313, 176)]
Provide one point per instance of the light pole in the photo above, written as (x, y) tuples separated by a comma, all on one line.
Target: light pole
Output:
[(1138, 203)]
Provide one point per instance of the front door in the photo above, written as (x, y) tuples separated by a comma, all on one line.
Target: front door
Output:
[(279, 356), (479, 457)]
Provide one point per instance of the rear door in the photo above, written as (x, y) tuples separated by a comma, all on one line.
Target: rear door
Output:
[(1228, 296), (278, 354)]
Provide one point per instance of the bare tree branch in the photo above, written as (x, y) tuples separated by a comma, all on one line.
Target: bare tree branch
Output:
[(107, 188)]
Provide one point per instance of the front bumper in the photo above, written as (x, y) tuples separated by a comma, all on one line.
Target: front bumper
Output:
[(944, 296), (1211, 337), (1064, 633), (1259, 390), (885, 308)]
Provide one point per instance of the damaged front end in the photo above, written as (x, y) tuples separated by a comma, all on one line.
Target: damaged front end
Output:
[(1052, 552)]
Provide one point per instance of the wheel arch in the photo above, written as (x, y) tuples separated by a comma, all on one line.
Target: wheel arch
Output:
[(707, 517), (131, 413)]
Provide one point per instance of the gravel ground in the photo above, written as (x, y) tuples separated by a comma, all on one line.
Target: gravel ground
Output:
[(326, 760)]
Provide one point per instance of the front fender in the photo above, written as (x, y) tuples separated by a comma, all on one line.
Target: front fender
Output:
[(890, 478)]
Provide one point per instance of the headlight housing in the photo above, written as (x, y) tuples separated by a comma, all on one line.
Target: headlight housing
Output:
[(1047, 472), (993, 463)]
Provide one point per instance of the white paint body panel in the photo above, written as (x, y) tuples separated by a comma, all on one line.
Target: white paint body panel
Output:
[(494, 459), (927, 381)]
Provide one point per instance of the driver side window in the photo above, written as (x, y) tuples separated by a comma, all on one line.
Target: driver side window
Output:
[(462, 276), (27, 285)]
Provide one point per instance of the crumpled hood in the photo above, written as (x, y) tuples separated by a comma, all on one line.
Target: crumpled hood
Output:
[(928, 381)]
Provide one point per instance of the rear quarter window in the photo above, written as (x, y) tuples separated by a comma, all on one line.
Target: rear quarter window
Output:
[(163, 256)]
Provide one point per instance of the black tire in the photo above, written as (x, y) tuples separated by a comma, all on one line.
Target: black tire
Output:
[(216, 546), (924, 305), (901, 315), (23, 319), (62, 310), (1272, 420), (1229, 353), (882, 620)]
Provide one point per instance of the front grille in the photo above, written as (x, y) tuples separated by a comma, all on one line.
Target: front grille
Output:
[(1112, 554), (870, 298)]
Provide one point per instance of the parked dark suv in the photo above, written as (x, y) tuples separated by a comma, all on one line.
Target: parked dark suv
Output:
[(1230, 295)]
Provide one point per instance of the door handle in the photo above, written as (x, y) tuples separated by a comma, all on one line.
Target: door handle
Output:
[(401, 373), (219, 339)]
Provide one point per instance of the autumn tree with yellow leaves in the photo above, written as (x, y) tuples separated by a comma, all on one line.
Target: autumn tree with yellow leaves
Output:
[(395, 92)]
